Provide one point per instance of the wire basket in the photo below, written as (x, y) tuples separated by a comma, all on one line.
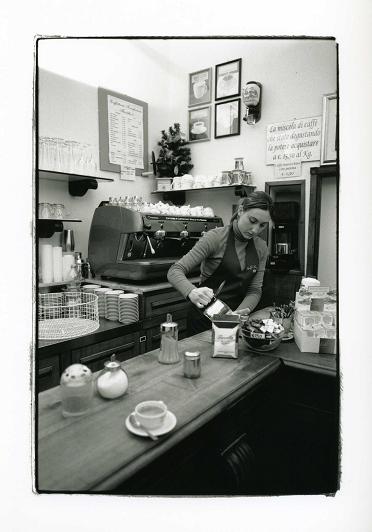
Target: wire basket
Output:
[(67, 315)]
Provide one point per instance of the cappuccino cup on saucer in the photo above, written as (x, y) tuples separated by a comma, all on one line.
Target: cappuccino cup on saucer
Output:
[(151, 414)]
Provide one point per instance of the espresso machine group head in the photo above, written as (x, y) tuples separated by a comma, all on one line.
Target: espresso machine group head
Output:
[(132, 245)]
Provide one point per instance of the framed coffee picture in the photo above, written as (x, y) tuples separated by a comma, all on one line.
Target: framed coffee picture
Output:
[(200, 87), (227, 119), (199, 124), (228, 79)]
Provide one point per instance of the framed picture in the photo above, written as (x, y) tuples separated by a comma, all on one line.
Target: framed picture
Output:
[(227, 119), (200, 87), (328, 151), (228, 79), (200, 124)]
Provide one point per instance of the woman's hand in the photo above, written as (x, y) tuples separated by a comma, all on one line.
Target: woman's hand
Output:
[(201, 296)]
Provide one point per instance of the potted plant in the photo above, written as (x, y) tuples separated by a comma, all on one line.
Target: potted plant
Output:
[(174, 155)]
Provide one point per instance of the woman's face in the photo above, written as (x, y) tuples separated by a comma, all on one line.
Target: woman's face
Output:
[(252, 222)]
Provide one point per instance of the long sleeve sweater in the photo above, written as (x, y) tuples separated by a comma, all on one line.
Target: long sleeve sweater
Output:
[(207, 253)]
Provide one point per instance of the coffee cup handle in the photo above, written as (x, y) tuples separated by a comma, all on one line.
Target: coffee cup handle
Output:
[(163, 405)]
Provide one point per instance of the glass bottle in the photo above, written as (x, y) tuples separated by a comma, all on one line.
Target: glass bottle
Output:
[(76, 390), (168, 353), (239, 163)]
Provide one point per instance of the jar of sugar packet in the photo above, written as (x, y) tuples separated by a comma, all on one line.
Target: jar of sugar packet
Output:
[(112, 382)]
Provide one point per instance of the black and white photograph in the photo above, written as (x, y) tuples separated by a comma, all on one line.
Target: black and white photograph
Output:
[(228, 79), (169, 329), (200, 87), (184, 317), (227, 118)]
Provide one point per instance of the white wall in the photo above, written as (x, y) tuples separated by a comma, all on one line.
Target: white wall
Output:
[(294, 73), (68, 108)]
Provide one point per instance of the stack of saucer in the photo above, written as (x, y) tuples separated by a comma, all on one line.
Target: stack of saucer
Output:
[(100, 293), (112, 304), (128, 308), (89, 288)]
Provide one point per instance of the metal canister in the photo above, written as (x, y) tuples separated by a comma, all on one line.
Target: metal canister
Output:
[(168, 353), (191, 364)]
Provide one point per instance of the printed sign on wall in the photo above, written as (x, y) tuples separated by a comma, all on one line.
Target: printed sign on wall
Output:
[(294, 141), (287, 170)]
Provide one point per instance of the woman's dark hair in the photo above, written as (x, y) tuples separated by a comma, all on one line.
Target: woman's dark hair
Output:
[(256, 200)]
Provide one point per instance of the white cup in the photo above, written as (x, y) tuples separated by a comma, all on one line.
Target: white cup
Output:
[(200, 88), (151, 414)]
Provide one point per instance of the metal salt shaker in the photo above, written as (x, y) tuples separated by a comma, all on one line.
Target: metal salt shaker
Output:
[(191, 364)]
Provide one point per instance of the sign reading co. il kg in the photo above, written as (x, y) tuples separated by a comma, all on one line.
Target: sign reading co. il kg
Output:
[(294, 141)]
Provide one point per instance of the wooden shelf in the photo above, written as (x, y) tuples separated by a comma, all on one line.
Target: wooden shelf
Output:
[(45, 228), (78, 184), (59, 220), (178, 197), (64, 176), (224, 187)]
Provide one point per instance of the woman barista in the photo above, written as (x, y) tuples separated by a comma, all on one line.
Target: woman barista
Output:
[(233, 254)]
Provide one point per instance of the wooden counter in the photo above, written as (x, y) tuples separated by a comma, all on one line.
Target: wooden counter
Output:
[(96, 452)]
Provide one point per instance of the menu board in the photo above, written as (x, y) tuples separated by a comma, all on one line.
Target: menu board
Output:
[(294, 141), (123, 131)]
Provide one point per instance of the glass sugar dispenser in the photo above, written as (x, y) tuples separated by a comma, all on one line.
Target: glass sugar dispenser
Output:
[(112, 382), (76, 390), (168, 353)]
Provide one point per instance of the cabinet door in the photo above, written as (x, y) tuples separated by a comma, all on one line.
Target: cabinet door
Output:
[(94, 356), (47, 373)]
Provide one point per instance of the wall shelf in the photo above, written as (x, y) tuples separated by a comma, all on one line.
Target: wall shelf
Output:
[(78, 184), (45, 228), (178, 197)]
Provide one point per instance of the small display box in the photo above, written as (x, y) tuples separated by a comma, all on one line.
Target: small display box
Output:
[(163, 183)]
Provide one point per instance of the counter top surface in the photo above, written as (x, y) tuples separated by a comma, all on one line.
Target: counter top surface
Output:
[(136, 288), (96, 452)]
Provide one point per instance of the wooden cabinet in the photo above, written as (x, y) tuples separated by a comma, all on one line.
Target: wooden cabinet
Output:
[(94, 356), (281, 438), (49, 368), (48, 372)]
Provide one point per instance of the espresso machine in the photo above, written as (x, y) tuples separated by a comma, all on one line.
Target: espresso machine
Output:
[(137, 246)]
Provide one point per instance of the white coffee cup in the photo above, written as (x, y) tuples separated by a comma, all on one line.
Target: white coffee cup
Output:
[(151, 414), (200, 88)]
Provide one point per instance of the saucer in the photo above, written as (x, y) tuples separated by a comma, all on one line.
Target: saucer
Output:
[(168, 425), (287, 337)]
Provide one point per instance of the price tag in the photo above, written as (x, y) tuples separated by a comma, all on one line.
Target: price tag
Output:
[(259, 336)]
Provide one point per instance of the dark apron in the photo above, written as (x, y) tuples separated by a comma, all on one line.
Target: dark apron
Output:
[(237, 281)]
